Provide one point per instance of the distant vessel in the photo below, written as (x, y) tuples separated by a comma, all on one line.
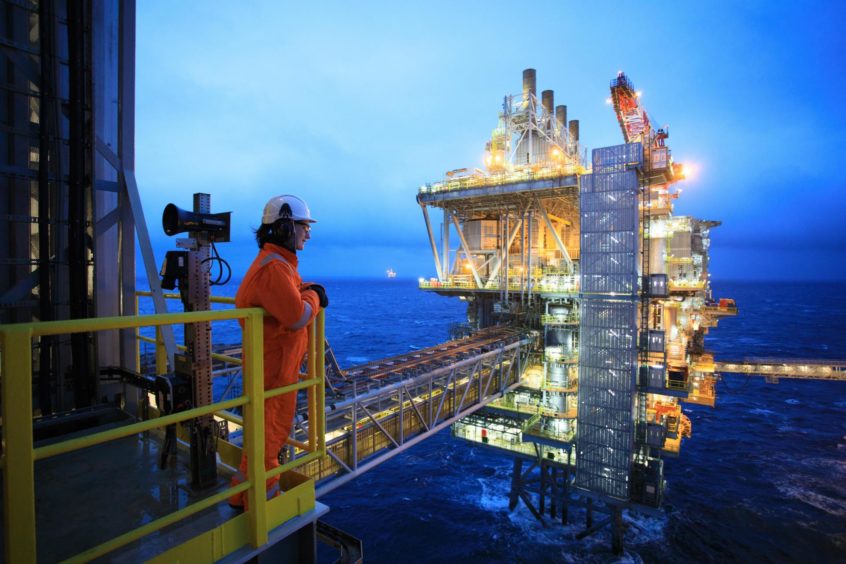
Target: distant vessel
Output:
[(391, 274)]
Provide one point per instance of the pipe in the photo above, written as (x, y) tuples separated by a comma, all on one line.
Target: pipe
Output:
[(574, 131), (561, 119), (548, 101), (529, 83)]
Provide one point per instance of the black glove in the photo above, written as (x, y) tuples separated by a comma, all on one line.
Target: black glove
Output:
[(321, 294)]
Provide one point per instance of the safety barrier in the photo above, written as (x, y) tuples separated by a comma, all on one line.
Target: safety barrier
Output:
[(158, 341), (251, 527), (520, 174)]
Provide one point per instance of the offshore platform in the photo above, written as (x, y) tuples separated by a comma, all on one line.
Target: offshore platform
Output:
[(588, 301), (588, 257)]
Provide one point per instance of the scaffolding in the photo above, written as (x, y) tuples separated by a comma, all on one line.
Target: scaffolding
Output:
[(608, 326)]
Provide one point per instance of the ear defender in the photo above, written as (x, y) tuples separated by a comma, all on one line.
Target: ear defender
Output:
[(285, 223), (286, 229)]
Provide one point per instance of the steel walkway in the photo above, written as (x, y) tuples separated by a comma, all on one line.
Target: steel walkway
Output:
[(775, 368), (381, 408), (396, 402)]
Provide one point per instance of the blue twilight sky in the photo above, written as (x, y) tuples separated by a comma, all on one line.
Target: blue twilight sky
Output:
[(353, 105)]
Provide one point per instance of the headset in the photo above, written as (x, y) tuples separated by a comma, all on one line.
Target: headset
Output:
[(285, 225)]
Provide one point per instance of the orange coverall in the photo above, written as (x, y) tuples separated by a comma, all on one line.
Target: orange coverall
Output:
[(273, 283)]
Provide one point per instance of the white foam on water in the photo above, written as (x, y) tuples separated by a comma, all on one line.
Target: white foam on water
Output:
[(836, 467), (762, 411), (825, 503), (643, 528), (493, 497), (792, 401), (357, 359)]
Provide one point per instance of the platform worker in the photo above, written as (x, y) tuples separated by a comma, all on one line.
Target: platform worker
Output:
[(273, 283)]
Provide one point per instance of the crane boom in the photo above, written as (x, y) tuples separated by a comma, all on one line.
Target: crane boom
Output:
[(631, 115)]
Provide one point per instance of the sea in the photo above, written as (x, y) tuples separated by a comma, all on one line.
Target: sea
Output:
[(763, 479)]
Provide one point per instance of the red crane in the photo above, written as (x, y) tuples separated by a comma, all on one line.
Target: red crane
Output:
[(636, 127)]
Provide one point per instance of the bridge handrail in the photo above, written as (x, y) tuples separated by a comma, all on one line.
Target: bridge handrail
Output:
[(20, 453)]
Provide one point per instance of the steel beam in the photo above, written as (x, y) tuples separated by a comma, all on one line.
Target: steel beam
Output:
[(466, 248), (503, 255), (438, 268), (558, 242)]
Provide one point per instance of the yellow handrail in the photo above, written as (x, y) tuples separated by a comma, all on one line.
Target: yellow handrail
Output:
[(20, 454), (161, 353)]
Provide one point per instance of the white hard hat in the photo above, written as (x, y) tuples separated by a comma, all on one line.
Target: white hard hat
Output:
[(287, 206)]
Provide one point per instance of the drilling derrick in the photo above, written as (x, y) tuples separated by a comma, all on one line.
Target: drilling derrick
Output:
[(588, 259)]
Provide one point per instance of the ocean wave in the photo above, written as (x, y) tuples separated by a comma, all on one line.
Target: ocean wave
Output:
[(761, 411), (792, 401), (494, 496), (356, 359), (831, 466), (830, 505)]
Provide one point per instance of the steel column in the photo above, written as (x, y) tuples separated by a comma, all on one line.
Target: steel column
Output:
[(438, 268)]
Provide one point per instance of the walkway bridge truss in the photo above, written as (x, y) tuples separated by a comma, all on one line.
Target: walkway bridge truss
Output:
[(382, 408), (772, 369)]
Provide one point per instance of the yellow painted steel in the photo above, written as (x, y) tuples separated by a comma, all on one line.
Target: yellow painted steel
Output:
[(20, 454), (154, 526), (121, 432), (19, 469), (312, 408), (253, 372), (217, 543), (161, 354), (172, 296), (320, 389)]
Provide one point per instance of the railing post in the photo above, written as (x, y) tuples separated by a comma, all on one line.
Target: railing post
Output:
[(19, 471), (312, 399), (354, 428), (161, 352), (321, 388), (253, 371), (137, 340)]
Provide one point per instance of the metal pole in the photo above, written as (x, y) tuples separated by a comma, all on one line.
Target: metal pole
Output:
[(354, 430), (198, 343), (401, 416), (445, 249), (84, 375), (45, 294), (19, 470), (438, 268), (254, 427), (516, 484), (529, 260)]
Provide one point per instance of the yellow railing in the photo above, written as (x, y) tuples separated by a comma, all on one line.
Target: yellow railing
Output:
[(161, 352), (20, 453)]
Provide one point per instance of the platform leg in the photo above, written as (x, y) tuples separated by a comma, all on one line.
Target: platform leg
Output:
[(589, 514), (553, 497), (541, 505), (617, 530), (516, 484)]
